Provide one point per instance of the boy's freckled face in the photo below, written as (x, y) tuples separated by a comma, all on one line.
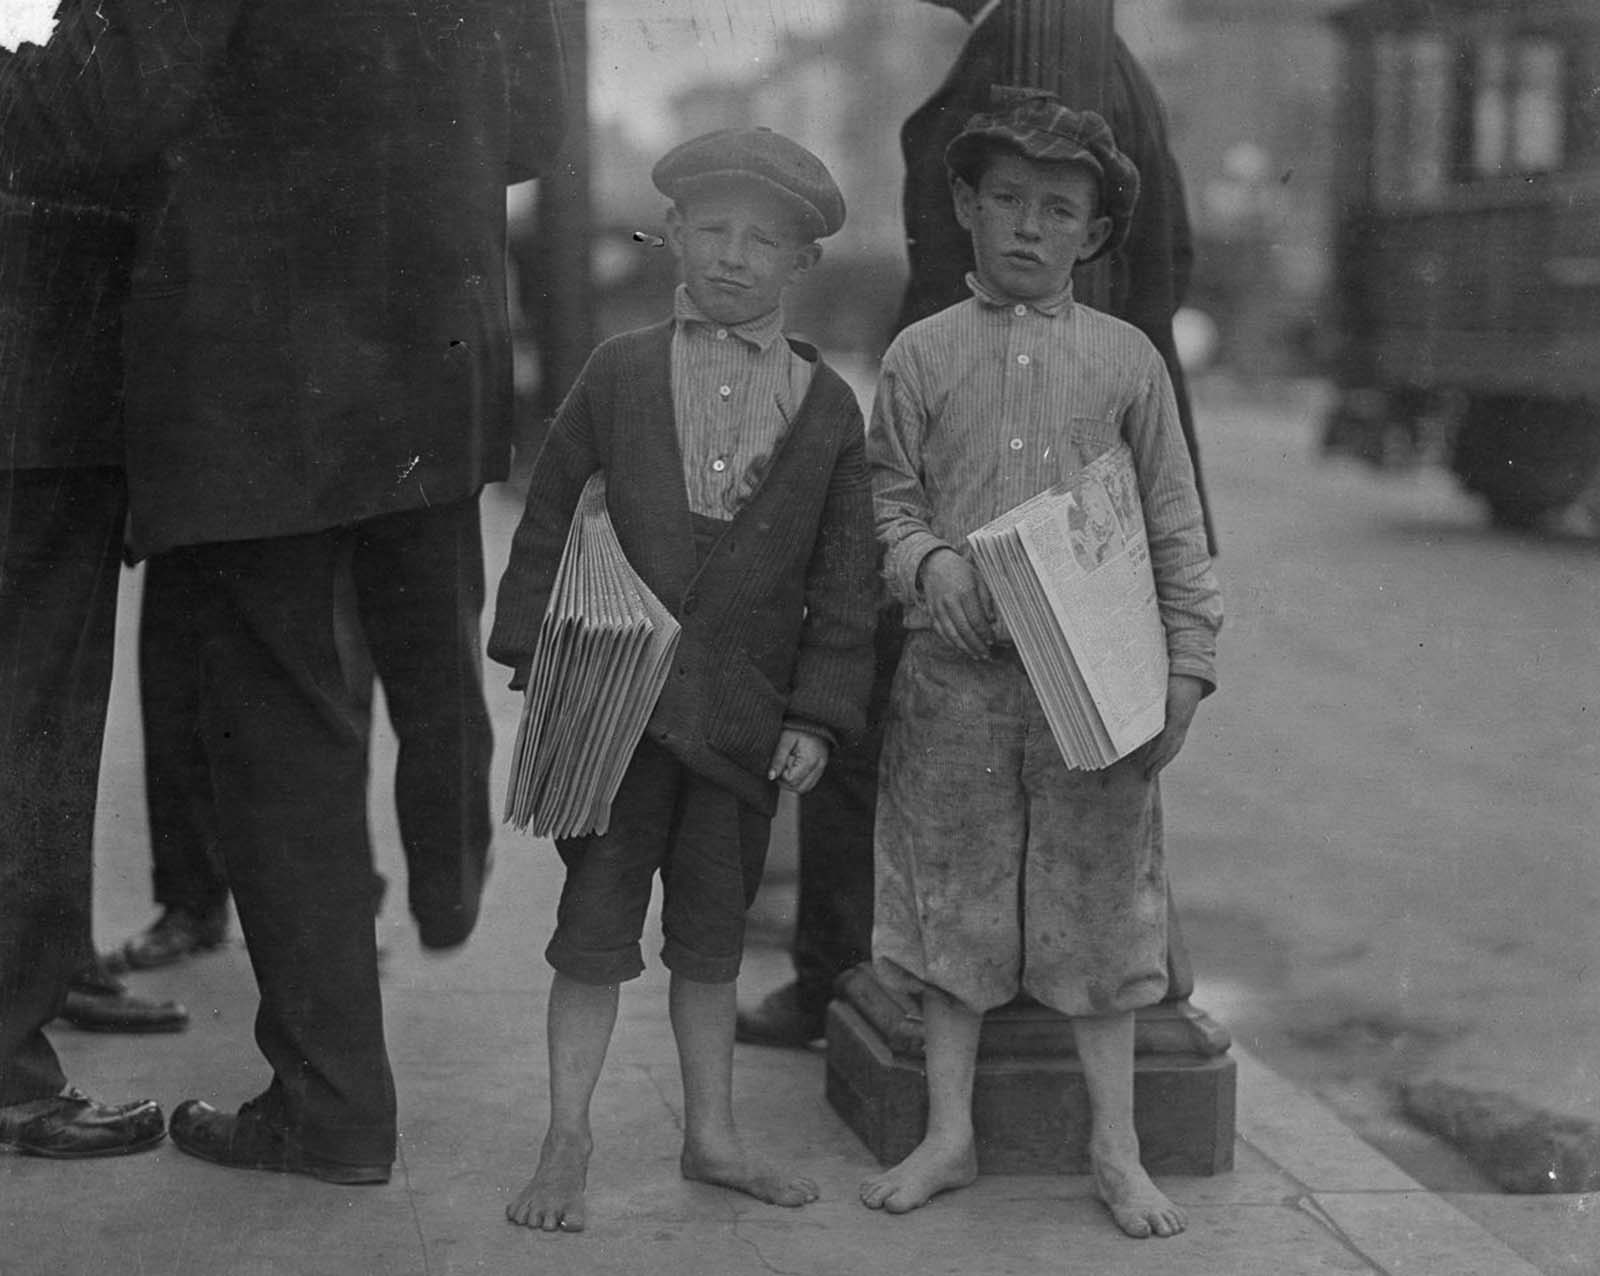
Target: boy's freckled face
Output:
[(1031, 223), (737, 249)]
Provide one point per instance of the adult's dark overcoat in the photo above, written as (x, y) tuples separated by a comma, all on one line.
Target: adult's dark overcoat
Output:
[(315, 330), (63, 276)]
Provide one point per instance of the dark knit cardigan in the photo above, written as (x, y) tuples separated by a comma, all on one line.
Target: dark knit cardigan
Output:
[(777, 618)]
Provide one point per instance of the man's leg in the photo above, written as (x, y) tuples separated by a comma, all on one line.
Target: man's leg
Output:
[(833, 922), (947, 1157), (420, 592), (1105, 1045), (186, 863), (286, 736), (60, 547)]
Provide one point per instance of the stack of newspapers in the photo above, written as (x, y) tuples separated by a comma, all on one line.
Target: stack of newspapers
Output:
[(1070, 574), (601, 659)]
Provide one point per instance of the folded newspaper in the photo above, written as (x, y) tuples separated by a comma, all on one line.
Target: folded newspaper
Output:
[(1069, 570), (602, 655)]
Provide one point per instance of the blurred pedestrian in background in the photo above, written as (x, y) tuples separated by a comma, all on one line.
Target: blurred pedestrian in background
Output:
[(317, 364)]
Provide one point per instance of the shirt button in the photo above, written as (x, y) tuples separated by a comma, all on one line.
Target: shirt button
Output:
[(1016, 445), (724, 390), (1024, 360), (722, 334), (719, 465), (1020, 311)]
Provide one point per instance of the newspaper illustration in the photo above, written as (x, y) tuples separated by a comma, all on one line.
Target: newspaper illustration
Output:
[(1070, 573), (602, 655)]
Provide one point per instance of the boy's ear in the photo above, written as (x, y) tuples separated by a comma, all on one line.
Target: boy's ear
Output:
[(805, 257), (966, 200), (1094, 241), (675, 229)]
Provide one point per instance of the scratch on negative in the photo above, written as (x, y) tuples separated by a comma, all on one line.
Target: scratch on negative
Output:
[(404, 471)]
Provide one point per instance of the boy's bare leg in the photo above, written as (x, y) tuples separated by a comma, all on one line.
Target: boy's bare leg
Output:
[(1105, 1045), (702, 1021), (947, 1157), (581, 1017)]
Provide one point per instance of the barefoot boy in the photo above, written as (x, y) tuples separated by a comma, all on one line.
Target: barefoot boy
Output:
[(999, 869), (738, 485)]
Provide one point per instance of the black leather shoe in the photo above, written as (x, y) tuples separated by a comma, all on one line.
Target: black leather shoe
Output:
[(73, 1125), (781, 1018), (97, 1001), (176, 934), (248, 1140)]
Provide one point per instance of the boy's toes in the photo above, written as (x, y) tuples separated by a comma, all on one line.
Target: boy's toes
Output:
[(874, 1192), (800, 1191), (1133, 1222)]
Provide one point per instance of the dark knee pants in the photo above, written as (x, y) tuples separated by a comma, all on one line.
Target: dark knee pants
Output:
[(408, 609), (708, 847), (60, 558)]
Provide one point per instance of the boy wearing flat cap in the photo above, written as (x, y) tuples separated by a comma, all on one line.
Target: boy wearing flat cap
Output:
[(736, 478), (999, 870)]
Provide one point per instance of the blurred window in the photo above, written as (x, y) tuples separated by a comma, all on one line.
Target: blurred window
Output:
[(1539, 116), (1432, 111), (1519, 121), (1490, 122), (1389, 122)]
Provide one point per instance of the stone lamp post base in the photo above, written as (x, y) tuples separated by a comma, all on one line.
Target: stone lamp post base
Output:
[(1030, 1105)]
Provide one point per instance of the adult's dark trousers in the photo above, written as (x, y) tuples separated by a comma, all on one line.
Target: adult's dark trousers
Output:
[(408, 609), (186, 861), (60, 558), (833, 917)]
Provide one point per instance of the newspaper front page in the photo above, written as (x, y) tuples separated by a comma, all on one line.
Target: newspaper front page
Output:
[(1070, 573)]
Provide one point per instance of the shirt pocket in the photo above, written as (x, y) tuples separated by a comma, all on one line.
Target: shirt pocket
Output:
[(1087, 438)]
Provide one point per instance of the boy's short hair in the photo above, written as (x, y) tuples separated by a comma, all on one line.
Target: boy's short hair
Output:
[(760, 157), (1035, 125)]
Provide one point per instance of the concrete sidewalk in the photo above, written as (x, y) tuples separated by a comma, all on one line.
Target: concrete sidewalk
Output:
[(467, 1042), (466, 1036)]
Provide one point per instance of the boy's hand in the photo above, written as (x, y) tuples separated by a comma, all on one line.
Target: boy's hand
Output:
[(799, 760), (958, 600), (1183, 697)]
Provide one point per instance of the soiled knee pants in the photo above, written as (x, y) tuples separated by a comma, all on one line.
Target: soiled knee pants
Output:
[(60, 558), (999, 869)]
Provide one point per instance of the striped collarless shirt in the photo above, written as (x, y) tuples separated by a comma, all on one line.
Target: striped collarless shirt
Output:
[(994, 400), (735, 389)]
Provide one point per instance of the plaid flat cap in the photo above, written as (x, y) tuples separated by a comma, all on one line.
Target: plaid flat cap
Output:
[(755, 155), (1035, 125)]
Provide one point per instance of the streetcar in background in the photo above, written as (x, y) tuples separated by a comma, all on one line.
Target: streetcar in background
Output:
[(1467, 245)]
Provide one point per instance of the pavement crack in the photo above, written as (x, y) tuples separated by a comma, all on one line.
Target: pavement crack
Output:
[(411, 1204), (750, 1243)]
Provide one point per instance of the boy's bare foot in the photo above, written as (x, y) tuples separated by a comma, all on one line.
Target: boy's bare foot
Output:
[(553, 1200), (935, 1165), (729, 1165), (1139, 1207)]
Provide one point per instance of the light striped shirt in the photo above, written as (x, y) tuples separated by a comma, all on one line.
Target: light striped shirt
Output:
[(735, 388), (992, 401)]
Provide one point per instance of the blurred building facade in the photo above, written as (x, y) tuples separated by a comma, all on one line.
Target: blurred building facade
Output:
[(1250, 87)]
